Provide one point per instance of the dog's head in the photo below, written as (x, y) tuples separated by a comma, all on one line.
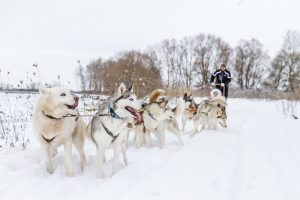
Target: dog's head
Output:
[(127, 100), (187, 98), (57, 101), (190, 105), (156, 98), (164, 105), (163, 102)]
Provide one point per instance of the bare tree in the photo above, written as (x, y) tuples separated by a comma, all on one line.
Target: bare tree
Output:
[(250, 63), (93, 74), (210, 53), (192, 59), (223, 53), (292, 47), (277, 75), (81, 74), (188, 57), (285, 73), (204, 54), (130, 67), (169, 51)]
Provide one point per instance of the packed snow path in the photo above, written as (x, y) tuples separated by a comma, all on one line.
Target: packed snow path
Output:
[(257, 157)]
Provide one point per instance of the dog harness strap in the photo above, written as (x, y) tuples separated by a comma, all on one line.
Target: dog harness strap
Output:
[(48, 140), (204, 113), (71, 115), (67, 115), (51, 117), (150, 114), (114, 137)]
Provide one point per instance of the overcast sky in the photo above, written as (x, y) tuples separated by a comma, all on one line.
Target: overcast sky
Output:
[(56, 33)]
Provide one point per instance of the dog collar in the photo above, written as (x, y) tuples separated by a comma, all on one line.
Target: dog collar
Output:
[(68, 115), (50, 116), (113, 114)]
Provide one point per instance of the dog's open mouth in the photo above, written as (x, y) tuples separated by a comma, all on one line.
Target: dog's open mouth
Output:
[(72, 107), (136, 114)]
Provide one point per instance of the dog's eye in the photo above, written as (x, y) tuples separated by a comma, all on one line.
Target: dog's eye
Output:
[(131, 99), (63, 94)]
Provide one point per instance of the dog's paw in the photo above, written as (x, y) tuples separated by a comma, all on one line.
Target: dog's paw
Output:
[(82, 165), (100, 175), (125, 161), (70, 173), (50, 170)]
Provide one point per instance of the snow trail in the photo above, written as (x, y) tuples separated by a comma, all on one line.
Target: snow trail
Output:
[(257, 157)]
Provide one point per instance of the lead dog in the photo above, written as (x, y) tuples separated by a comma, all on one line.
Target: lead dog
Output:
[(56, 122), (110, 126)]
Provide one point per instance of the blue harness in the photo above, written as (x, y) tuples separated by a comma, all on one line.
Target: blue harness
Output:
[(113, 114)]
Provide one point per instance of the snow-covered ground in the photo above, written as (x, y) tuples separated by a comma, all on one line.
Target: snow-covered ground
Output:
[(257, 157)]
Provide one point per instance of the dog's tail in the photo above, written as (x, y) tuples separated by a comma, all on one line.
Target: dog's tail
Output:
[(219, 100), (179, 109), (155, 94)]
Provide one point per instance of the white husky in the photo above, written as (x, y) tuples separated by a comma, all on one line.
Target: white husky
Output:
[(110, 126), (56, 122)]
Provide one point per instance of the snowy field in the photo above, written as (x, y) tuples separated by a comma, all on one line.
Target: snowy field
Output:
[(257, 157)]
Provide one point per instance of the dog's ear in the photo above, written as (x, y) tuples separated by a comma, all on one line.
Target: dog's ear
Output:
[(121, 89), (155, 94), (185, 95), (130, 88), (44, 90)]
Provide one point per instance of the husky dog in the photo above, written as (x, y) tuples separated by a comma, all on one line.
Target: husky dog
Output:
[(56, 122), (173, 125), (110, 126), (157, 118), (210, 113), (190, 110)]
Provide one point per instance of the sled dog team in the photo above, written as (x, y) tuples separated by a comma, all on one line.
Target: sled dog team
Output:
[(57, 122)]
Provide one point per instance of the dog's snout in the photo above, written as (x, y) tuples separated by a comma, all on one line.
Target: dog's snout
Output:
[(76, 98)]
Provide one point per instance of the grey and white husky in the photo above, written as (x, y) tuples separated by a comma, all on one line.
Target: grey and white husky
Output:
[(210, 113), (109, 127), (190, 109)]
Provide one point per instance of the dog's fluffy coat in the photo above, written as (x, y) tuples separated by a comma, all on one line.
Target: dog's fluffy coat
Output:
[(52, 129), (117, 126)]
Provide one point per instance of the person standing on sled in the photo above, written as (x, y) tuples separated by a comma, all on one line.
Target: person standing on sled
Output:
[(221, 79)]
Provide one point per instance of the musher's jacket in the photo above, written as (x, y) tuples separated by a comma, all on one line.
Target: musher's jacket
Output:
[(221, 77)]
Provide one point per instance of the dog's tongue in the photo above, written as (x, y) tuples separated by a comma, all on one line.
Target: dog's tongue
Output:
[(139, 117), (75, 104)]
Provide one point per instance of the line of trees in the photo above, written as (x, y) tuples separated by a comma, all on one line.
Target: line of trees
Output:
[(189, 62), (130, 67)]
